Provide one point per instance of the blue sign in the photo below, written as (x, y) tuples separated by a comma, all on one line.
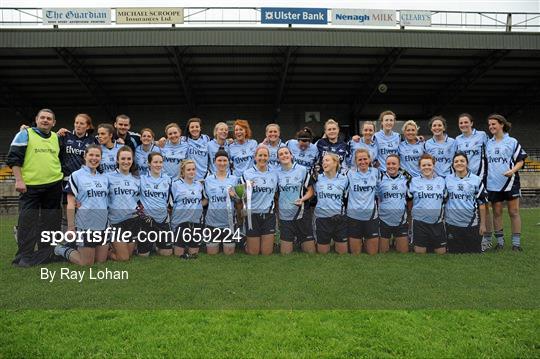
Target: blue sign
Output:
[(281, 15)]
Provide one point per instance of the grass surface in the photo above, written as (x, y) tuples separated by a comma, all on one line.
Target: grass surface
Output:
[(298, 305)]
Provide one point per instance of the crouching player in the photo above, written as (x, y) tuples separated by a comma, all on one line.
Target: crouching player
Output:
[(220, 215), (294, 189), (362, 215), (123, 202), (465, 209), (187, 210), (428, 192), (392, 196), (87, 189), (330, 222)]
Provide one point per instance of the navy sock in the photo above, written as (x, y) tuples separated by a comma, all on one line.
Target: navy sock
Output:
[(500, 237), (516, 239)]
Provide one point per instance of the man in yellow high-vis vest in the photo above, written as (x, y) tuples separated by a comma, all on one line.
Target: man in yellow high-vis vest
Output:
[(35, 158)]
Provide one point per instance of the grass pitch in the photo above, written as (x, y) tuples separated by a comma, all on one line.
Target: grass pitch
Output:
[(298, 305)]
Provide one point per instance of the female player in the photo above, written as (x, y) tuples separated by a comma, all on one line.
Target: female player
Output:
[(261, 185), (174, 150), (331, 143), (387, 140), (187, 209), (154, 195), (304, 152), (274, 143), (197, 144), (123, 203), (220, 216), (143, 150), (410, 149), (362, 214), (75, 142), (87, 189), (466, 200), (427, 192), (330, 222), (440, 146), (367, 141), (109, 148), (295, 188), (392, 197), (219, 142), (473, 144), (505, 157), (243, 148)]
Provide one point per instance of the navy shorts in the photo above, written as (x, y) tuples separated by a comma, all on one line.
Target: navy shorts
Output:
[(91, 239), (188, 235), (332, 228), (146, 243), (501, 196), (300, 230), (362, 229), (262, 224), (429, 235), (133, 225), (388, 232), (463, 239)]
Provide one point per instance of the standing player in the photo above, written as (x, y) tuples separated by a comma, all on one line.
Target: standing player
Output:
[(109, 148), (261, 185), (505, 157), (362, 215), (304, 152), (123, 203), (220, 216), (367, 141), (154, 196), (410, 149), (142, 151), (440, 146), (75, 143), (330, 222), (219, 142), (295, 188), (331, 143), (187, 210), (197, 144), (427, 192), (174, 150), (387, 140), (465, 210), (243, 148), (473, 144), (392, 196), (274, 143), (87, 191)]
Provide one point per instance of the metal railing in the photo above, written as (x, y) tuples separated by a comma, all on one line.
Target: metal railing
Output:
[(249, 16)]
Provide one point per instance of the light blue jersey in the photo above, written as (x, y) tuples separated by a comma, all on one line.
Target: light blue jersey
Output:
[(292, 185), (242, 156), (392, 195), (409, 155), (173, 154), (361, 203), (474, 146), (216, 191), (386, 145), (90, 190), (213, 148), (428, 196), (273, 161), (141, 158), (502, 156), (307, 157), (443, 153), (331, 195), (198, 152), (264, 188), (353, 146), (154, 195), (464, 196), (108, 158), (186, 202), (123, 196)]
